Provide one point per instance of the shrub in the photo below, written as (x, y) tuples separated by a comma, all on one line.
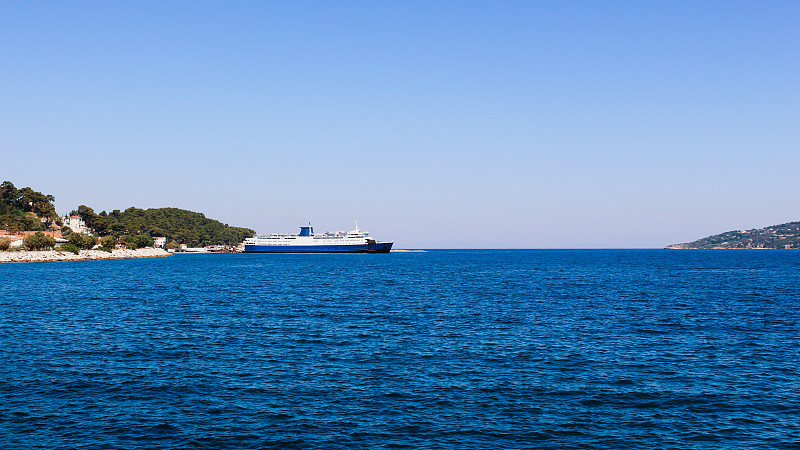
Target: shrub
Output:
[(144, 240), (108, 242), (89, 242), (75, 239), (83, 241), (38, 241), (5, 244), (69, 247), (138, 241)]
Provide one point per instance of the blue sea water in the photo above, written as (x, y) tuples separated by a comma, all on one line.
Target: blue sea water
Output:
[(644, 349)]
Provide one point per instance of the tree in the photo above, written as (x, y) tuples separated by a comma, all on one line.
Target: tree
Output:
[(108, 241), (142, 240), (83, 241), (192, 228), (5, 244), (127, 241), (38, 241), (137, 241), (37, 203), (69, 247), (88, 215), (75, 239), (89, 242), (9, 197), (25, 209)]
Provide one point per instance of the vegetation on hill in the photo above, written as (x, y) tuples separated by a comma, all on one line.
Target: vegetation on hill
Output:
[(38, 241), (782, 236), (186, 227), (25, 209), (28, 210), (82, 241)]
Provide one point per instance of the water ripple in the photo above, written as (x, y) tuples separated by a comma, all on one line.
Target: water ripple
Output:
[(445, 349)]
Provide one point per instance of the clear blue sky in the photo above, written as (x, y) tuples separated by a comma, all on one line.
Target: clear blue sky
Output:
[(490, 124)]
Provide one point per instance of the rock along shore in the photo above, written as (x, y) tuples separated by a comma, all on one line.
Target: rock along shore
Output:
[(84, 255)]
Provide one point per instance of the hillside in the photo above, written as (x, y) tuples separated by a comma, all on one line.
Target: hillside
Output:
[(782, 236), (24, 209), (179, 225)]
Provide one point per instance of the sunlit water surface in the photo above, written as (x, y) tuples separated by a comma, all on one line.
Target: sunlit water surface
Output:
[(644, 349)]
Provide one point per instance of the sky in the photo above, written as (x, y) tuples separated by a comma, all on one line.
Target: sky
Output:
[(447, 124)]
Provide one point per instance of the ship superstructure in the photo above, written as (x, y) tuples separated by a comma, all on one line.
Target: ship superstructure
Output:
[(355, 241)]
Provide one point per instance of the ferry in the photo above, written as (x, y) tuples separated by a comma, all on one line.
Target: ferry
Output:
[(306, 241)]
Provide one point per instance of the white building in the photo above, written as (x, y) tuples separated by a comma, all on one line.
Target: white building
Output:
[(16, 241), (76, 224), (159, 242)]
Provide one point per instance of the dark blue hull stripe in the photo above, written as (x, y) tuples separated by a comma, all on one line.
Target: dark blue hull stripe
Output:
[(365, 248)]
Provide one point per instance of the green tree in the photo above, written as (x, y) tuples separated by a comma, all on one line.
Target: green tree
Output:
[(25, 209), (89, 242), (144, 240), (38, 241), (127, 241), (9, 195), (137, 241), (38, 203), (69, 247), (189, 227), (88, 215), (5, 244), (108, 243), (76, 240), (83, 241)]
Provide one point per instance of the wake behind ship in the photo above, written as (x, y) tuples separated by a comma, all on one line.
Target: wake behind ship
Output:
[(355, 241)]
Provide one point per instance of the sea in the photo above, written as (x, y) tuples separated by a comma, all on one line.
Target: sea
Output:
[(446, 349)]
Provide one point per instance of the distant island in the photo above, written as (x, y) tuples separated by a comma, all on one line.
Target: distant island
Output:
[(783, 236)]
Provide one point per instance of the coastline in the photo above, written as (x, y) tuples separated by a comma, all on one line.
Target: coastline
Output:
[(676, 247), (84, 255)]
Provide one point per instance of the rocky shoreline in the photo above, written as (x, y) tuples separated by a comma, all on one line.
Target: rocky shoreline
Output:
[(84, 255), (778, 237)]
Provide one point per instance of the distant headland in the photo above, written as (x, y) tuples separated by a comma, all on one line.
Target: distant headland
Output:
[(29, 222), (785, 236)]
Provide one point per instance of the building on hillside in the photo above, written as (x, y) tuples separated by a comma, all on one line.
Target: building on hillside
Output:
[(54, 234), (17, 238), (159, 241), (14, 240), (76, 224)]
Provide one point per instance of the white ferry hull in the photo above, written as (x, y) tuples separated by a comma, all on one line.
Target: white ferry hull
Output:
[(307, 242), (377, 247)]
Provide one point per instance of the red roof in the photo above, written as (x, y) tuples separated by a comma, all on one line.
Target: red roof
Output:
[(55, 234)]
